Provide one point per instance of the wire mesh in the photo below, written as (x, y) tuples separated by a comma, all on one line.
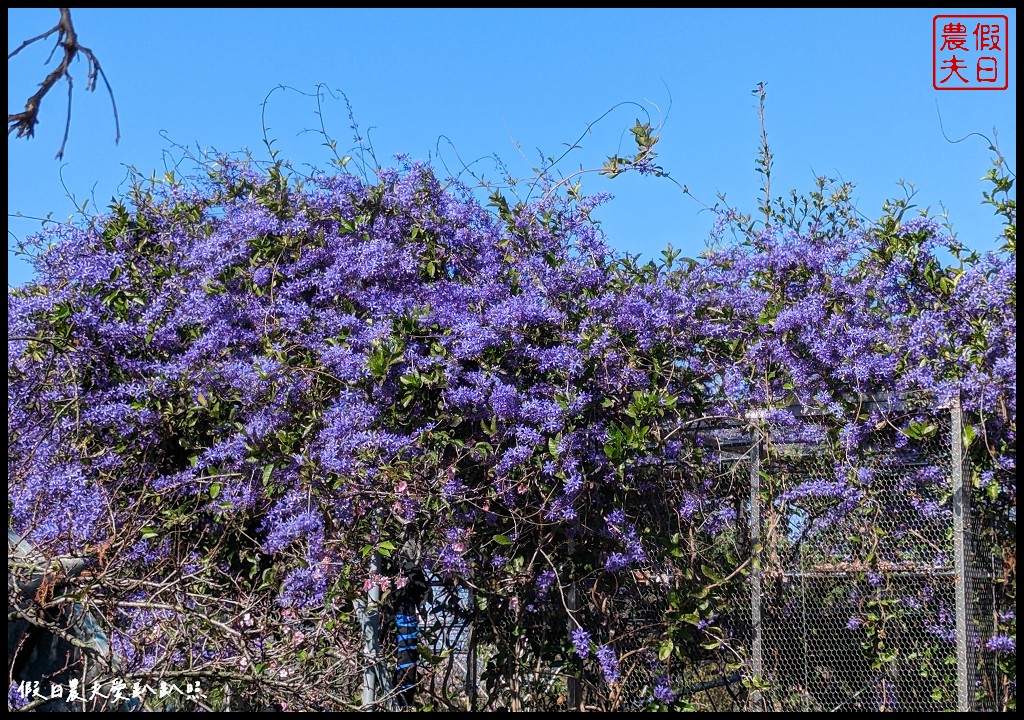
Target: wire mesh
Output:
[(871, 595), (872, 587)]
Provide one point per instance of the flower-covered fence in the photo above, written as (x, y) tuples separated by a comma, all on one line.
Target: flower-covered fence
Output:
[(875, 582), (239, 397), (869, 583)]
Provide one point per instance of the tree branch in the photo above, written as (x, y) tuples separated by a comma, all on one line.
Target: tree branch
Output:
[(25, 121)]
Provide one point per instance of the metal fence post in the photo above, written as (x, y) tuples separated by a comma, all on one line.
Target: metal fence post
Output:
[(756, 663), (575, 696), (961, 498), (368, 612), (573, 684), (471, 657)]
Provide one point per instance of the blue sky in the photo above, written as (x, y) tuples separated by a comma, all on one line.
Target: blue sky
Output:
[(849, 96)]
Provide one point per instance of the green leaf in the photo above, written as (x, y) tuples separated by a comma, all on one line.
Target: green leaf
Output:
[(553, 446), (969, 435), (214, 489), (709, 573), (502, 540), (665, 650), (992, 490)]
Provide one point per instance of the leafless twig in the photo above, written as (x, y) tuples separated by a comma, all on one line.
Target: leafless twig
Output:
[(26, 120)]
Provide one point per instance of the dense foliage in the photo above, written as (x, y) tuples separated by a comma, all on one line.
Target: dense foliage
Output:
[(232, 392)]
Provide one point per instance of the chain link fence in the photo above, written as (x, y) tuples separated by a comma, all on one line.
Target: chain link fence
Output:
[(871, 592), (870, 585)]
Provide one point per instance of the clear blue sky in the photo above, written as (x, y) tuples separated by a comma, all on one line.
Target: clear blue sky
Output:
[(849, 95)]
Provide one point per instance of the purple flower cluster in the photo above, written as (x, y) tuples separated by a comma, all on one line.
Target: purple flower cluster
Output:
[(1002, 645), (625, 532), (581, 642), (663, 691), (609, 661), (15, 699), (256, 372), (544, 582)]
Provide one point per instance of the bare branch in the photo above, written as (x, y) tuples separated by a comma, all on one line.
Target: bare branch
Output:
[(41, 36), (25, 121)]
